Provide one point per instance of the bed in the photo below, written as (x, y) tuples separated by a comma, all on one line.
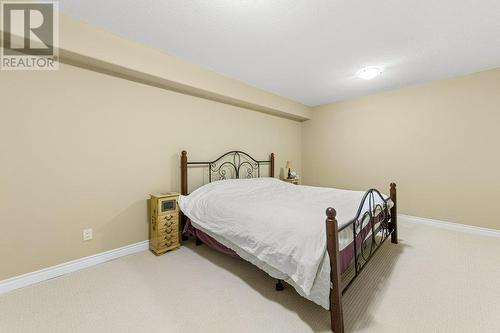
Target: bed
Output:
[(279, 226)]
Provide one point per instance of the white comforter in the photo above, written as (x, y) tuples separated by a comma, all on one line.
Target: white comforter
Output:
[(279, 227)]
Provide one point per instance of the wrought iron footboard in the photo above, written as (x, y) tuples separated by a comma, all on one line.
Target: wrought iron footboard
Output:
[(375, 221), (370, 229)]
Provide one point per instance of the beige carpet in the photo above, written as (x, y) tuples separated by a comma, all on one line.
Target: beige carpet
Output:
[(434, 281)]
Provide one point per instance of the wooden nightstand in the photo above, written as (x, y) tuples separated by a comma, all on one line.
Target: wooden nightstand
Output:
[(295, 181), (164, 229)]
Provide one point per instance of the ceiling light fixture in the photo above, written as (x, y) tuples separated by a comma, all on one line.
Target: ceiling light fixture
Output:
[(369, 73)]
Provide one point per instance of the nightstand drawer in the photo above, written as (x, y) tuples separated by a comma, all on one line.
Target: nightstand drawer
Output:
[(162, 237), (166, 243), (169, 217), (173, 229), (172, 223), (163, 240)]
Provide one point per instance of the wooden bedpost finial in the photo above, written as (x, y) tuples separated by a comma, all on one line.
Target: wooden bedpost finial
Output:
[(331, 213), (393, 192), (184, 153)]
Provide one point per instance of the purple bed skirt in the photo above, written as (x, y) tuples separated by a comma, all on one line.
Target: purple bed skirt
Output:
[(189, 230), (346, 255)]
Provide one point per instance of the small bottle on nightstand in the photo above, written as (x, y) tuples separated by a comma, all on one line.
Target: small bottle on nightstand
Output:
[(164, 227)]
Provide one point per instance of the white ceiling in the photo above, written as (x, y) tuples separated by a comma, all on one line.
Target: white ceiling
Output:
[(309, 50)]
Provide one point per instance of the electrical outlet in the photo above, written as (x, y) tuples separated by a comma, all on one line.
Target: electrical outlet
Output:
[(87, 234)]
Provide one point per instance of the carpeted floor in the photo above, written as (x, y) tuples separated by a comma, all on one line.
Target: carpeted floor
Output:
[(435, 280)]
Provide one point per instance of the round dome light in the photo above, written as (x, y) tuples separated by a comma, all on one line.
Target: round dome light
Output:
[(369, 73)]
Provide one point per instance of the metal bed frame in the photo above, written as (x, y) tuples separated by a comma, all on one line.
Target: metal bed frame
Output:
[(370, 228)]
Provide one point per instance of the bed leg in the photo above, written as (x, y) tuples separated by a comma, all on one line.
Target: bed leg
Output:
[(332, 242), (183, 224), (184, 189), (198, 242), (271, 166), (394, 214), (279, 285)]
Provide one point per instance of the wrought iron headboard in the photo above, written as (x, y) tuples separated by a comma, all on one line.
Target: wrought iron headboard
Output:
[(231, 165)]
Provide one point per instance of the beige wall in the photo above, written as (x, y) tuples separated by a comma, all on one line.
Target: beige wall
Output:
[(80, 149), (438, 141)]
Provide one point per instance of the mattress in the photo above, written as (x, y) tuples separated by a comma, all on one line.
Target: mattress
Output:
[(278, 227)]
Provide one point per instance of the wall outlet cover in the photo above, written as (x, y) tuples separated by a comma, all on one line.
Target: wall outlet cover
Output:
[(87, 234)]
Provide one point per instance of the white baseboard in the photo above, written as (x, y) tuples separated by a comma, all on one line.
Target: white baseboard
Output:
[(70, 266), (450, 225)]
